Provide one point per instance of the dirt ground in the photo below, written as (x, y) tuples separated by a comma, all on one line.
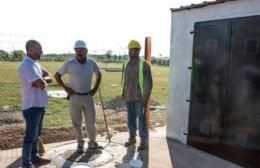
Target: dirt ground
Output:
[(11, 136), (12, 129)]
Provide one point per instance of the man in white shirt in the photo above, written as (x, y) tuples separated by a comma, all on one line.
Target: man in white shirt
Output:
[(33, 80), (80, 70)]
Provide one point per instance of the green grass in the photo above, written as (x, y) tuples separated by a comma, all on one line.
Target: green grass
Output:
[(58, 110), (57, 114)]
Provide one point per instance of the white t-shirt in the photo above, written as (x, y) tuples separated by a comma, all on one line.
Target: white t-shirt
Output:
[(80, 75), (29, 71)]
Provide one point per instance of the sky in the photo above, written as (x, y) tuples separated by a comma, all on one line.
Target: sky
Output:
[(102, 24)]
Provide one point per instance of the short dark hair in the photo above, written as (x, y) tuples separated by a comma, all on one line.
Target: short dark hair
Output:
[(31, 44)]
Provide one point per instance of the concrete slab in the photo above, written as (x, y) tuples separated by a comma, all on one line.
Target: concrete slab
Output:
[(162, 153), (121, 155), (188, 157)]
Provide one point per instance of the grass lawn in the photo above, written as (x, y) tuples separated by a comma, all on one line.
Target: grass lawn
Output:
[(58, 111)]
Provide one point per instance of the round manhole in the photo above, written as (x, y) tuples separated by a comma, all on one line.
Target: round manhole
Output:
[(81, 165), (67, 156), (87, 156)]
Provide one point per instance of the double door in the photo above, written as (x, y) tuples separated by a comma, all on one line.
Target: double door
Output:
[(225, 94)]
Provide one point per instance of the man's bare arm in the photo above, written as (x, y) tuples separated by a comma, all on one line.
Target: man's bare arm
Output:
[(97, 83), (60, 82), (45, 72), (46, 76)]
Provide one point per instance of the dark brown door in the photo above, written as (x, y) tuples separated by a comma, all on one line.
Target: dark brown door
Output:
[(210, 69), (242, 124), (225, 105)]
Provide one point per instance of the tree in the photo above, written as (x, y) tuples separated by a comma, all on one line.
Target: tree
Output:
[(18, 55), (108, 55), (4, 55)]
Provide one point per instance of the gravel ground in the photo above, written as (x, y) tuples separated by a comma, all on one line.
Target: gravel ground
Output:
[(12, 126)]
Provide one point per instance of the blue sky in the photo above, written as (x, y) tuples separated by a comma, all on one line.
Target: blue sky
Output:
[(103, 24)]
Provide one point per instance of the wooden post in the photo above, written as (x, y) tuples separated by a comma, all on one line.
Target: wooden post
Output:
[(147, 56)]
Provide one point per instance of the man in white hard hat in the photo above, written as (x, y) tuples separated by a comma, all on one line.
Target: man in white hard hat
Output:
[(80, 70)]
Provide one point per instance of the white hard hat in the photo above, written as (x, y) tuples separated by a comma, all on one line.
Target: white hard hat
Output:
[(80, 44)]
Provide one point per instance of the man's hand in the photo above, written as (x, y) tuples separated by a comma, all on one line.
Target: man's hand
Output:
[(46, 76), (69, 90), (93, 91), (145, 100), (47, 79), (39, 83)]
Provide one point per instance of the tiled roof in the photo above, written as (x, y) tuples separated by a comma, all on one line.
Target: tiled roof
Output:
[(200, 5)]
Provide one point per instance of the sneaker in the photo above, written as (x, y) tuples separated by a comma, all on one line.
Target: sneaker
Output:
[(143, 146), (130, 141), (30, 166), (41, 161), (95, 146)]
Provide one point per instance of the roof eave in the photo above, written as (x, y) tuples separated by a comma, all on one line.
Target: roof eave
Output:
[(200, 5)]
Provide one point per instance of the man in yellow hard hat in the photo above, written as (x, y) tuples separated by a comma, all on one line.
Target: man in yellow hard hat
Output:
[(137, 85)]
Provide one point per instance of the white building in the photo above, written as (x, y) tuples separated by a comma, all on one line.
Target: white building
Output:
[(214, 98)]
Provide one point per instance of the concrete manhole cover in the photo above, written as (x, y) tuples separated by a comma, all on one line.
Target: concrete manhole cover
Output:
[(87, 156), (81, 165), (67, 156)]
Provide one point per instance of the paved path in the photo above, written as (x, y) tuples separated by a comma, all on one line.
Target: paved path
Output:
[(162, 153), (157, 157)]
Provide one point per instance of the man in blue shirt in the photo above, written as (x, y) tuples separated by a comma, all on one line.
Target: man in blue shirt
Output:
[(33, 80)]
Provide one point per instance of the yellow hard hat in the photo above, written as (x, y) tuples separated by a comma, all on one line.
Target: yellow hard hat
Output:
[(134, 44)]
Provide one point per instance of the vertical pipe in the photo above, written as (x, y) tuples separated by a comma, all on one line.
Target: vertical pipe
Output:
[(148, 49), (147, 56)]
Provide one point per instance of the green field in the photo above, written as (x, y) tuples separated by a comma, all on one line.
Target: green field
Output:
[(58, 111)]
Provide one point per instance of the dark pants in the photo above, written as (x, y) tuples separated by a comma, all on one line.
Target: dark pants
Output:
[(135, 110), (33, 120)]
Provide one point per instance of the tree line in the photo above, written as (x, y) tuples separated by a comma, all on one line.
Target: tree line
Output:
[(18, 55)]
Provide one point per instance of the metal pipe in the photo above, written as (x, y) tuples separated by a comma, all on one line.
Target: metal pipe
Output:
[(104, 114)]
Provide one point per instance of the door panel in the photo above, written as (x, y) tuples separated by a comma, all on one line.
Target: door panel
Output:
[(225, 106), (242, 130), (209, 81)]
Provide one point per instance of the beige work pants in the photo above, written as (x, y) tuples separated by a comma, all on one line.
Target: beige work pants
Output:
[(83, 104)]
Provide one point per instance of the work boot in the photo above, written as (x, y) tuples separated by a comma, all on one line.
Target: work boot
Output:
[(80, 149), (94, 146), (131, 141), (143, 145)]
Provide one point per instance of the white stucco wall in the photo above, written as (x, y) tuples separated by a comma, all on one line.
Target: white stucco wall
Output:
[(181, 56)]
